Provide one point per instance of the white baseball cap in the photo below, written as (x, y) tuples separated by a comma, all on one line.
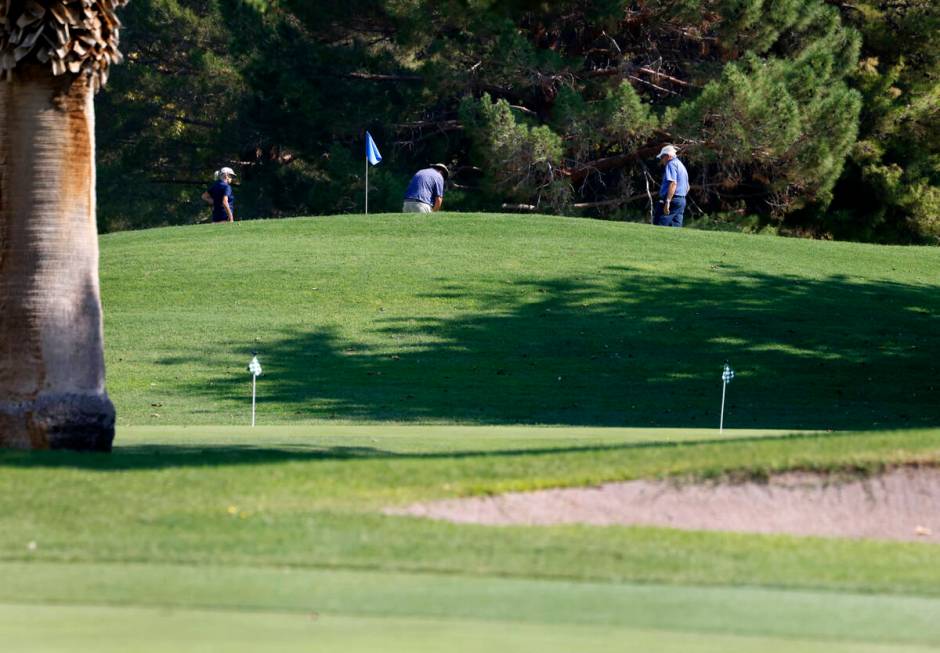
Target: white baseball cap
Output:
[(227, 171), (668, 149)]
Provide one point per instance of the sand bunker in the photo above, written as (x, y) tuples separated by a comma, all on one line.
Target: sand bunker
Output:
[(902, 504)]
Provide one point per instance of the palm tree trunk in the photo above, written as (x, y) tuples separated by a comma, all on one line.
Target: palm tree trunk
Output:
[(52, 392)]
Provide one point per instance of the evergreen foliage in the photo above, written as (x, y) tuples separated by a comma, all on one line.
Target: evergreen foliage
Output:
[(520, 158), (891, 189), (558, 107)]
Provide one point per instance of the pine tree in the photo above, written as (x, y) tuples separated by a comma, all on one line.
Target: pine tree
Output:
[(891, 191), (556, 107)]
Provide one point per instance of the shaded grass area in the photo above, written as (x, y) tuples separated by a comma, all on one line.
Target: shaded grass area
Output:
[(422, 457), (254, 502), (502, 320)]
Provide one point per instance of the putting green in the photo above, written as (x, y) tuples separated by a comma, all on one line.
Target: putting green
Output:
[(412, 438)]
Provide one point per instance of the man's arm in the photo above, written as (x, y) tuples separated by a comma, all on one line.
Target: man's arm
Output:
[(438, 193), (673, 179), (669, 193), (207, 198), (228, 209)]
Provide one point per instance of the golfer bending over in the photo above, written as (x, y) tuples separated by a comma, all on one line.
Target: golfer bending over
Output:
[(426, 191), (673, 190)]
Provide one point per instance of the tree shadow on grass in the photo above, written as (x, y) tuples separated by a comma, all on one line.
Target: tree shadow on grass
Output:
[(625, 347), (161, 456)]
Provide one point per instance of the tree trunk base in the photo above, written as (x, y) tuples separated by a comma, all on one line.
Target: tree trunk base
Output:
[(66, 421)]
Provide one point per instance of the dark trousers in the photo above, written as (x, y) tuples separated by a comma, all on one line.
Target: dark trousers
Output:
[(674, 217)]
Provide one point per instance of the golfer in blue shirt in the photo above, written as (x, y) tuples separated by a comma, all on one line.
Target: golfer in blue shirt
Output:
[(672, 192), (221, 197), (426, 191)]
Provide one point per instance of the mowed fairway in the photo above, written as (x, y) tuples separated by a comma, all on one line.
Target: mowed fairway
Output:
[(416, 358)]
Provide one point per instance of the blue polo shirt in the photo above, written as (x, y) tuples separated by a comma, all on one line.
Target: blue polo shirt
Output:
[(217, 191), (426, 186), (675, 172)]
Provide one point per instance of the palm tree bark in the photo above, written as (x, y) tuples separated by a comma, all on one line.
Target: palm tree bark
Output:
[(52, 392)]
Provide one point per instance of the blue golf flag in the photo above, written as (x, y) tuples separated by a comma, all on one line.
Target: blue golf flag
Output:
[(372, 152)]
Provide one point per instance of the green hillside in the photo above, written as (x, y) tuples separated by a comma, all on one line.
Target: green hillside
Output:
[(517, 319)]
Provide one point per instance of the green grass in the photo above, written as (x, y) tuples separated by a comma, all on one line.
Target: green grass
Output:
[(410, 358), (517, 320), (250, 608), (248, 531), (273, 498), (105, 630)]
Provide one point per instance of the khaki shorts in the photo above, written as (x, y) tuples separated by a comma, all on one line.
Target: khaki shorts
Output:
[(415, 207)]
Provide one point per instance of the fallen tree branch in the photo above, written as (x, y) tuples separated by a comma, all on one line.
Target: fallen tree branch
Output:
[(674, 80), (421, 124), (646, 178), (608, 163), (656, 86), (628, 70), (525, 110), (599, 203), (189, 121), (181, 182), (611, 202), (376, 77)]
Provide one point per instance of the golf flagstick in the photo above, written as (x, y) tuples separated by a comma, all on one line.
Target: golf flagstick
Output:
[(726, 377), (372, 157), (255, 368)]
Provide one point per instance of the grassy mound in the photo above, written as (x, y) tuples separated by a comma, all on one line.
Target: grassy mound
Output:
[(505, 319)]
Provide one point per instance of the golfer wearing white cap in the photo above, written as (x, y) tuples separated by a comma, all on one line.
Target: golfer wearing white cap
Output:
[(426, 191), (672, 192), (221, 197)]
